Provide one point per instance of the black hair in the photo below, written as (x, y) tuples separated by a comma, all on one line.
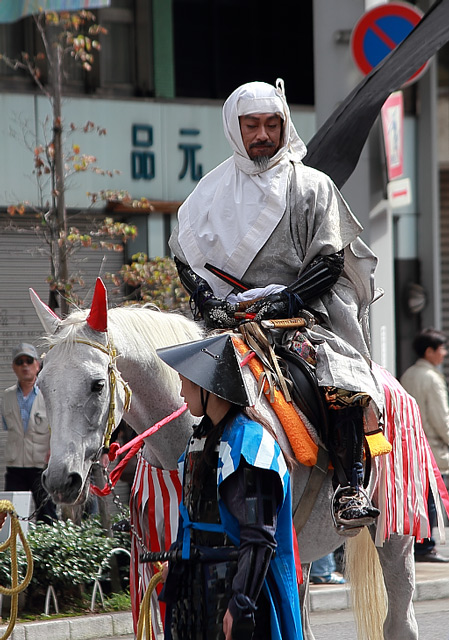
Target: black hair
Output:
[(429, 337), (214, 433)]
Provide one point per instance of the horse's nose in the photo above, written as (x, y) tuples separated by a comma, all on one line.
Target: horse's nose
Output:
[(66, 489)]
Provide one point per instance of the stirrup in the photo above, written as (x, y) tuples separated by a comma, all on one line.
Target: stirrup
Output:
[(356, 505)]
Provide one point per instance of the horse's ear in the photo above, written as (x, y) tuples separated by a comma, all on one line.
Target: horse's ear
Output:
[(49, 320), (98, 316)]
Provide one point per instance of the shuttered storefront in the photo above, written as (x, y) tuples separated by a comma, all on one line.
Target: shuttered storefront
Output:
[(23, 264)]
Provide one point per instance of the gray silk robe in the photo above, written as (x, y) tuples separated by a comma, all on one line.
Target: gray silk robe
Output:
[(317, 221)]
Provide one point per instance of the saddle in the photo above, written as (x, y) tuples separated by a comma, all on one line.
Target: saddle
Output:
[(292, 374), (307, 396), (305, 391)]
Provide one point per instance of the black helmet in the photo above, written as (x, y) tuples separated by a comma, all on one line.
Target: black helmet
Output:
[(211, 364)]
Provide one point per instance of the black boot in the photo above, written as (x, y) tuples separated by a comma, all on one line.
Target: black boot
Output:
[(351, 506)]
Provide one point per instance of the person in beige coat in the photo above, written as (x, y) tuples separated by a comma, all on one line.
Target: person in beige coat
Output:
[(428, 386), (28, 441)]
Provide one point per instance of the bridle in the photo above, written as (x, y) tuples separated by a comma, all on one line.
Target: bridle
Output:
[(114, 377)]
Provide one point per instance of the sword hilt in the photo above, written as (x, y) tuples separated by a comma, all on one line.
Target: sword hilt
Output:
[(158, 556)]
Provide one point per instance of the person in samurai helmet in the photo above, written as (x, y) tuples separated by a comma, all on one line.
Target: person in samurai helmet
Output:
[(235, 573), (265, 233)]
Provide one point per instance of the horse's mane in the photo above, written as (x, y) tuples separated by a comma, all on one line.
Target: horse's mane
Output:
[(138, 324), (158, 328)]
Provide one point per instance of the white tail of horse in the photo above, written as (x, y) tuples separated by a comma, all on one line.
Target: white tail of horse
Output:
[(368, 594)]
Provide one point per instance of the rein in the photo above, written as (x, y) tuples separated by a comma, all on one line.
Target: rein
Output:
[(132, 447), (114, 377)]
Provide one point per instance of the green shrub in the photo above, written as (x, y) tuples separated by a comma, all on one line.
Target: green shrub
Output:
[(118, 602), (66, 556)]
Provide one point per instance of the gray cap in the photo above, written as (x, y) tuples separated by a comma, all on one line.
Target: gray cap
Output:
[(24, 349)]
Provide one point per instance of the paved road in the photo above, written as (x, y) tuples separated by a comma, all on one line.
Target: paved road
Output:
[(432, 616)]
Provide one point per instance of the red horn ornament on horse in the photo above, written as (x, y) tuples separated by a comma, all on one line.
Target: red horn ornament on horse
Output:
[(98, 315)]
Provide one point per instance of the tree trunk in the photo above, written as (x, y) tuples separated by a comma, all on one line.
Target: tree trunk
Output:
[(61, 271)]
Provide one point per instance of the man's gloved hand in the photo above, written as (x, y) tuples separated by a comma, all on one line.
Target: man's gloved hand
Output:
[(219, 314), (276, 305)]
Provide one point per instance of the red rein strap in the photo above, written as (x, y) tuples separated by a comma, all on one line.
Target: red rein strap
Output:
[(247, 358), (134, 446)]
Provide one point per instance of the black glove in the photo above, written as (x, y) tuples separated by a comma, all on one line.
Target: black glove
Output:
[(217, 314), (277, 305), (318, 278), (242, 611)]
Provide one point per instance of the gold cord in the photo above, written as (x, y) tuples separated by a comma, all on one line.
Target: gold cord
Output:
[(145, 622), (114, 376), (7, 507)]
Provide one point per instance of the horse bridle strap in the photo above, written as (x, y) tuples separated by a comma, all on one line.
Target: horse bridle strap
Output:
[(114, 377)]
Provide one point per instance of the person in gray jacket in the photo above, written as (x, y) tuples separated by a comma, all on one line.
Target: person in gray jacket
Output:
[(427, 385), (28, 442)]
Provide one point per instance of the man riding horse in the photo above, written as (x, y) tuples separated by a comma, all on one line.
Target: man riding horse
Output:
[(263, 236)]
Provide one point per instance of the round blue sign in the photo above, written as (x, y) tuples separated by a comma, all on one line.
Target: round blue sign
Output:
[(381, 30)]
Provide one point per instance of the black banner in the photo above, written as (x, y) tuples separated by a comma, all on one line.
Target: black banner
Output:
[(336, 147)]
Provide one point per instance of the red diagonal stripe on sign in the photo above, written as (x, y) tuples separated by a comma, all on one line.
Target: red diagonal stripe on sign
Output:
[(380, 33)]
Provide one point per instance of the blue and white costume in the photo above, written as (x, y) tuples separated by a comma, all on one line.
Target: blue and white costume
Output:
[(245, 442)]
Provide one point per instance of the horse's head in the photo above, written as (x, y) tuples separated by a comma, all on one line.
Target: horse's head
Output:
[(84, 394)]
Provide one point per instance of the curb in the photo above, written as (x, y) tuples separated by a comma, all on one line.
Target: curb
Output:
[(103, 625), (431, 583)]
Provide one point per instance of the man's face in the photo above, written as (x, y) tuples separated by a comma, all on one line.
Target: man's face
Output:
[(26, 369), (436, 356), (261, 134)]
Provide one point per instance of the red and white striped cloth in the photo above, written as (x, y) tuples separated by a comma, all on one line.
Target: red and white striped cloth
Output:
[(406, 473), (154, 502)]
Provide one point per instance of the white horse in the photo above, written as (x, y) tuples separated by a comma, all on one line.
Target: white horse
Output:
[(89, 358)]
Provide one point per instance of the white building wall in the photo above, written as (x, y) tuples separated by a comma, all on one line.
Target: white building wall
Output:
[(161, 128)]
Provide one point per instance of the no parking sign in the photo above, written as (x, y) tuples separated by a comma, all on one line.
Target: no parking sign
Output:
[(381, 30)]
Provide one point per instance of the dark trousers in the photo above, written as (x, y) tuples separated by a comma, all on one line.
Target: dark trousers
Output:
[(421, 548), (29, 479)]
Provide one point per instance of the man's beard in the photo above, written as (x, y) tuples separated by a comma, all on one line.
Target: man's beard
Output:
[(262, 162)]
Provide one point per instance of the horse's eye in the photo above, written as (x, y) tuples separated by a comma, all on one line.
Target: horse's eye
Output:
[(97, 386)]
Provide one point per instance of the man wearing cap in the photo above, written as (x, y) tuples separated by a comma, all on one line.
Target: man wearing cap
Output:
[(266, 233), (28, 442)]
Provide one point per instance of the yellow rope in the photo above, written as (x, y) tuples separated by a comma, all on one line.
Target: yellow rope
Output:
[(145, 607), (7, 507)]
